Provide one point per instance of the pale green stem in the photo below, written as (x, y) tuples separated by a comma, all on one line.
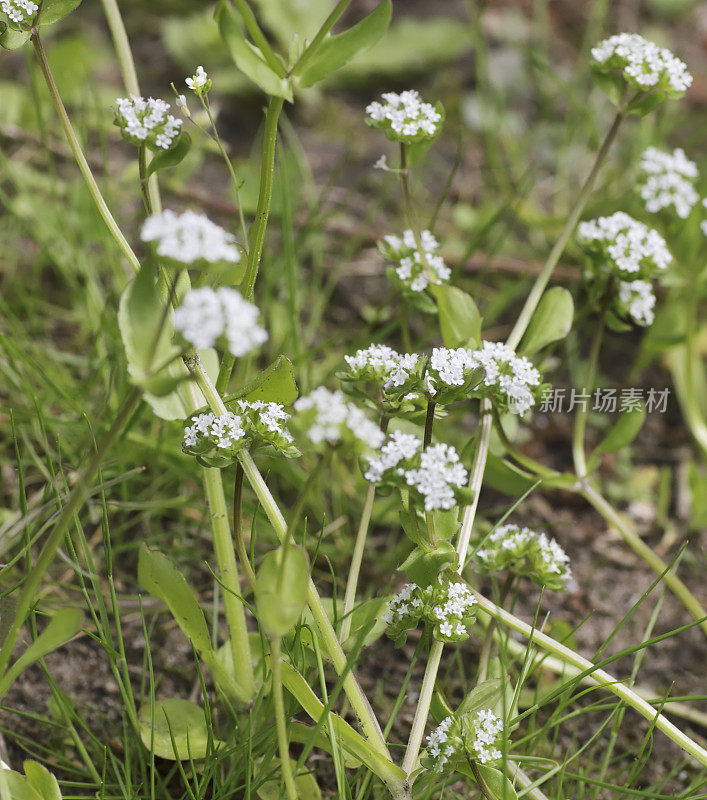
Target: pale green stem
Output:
[(541, 281), (357, 698), (601, 677), (78, 494), (259, 37), (79, 156), (283, 743), (356, 560), (228, 575), (580, 420), (634, 541), (328, 24), (130, 80), (422, 710)]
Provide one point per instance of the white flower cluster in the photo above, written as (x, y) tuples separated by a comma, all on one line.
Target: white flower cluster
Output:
[(405, 117), (448, 607), (329, 418), (441, 746), (643, 64), (637, 300), (452, 609), (487, 728), (669, 181), (383, 365), (146, 121), (223, 431), (190, 237), (207, 315), (198, 81), (523, 551), (417, 267), (703, 224), (254, 424), (629, 246), (19, 10), (434, 473)]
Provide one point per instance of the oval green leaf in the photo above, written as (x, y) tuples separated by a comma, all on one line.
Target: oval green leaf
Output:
[(180, 730), (281, 589), (551, 321), (171, 157), (54, 10), (459, 318)]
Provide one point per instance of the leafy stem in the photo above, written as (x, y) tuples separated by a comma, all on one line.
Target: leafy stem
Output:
[(283, 743)]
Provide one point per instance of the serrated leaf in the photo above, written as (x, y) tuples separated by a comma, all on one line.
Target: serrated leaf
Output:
[(551, 321), (459, 318), (180, 730), (281, 589), (275, 384), (54, 10), (247, 57), (18, 787), (62, 627), (171, 157), (336, 51), (40, 779)]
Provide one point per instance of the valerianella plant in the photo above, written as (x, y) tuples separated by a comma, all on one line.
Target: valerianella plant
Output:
[(668, 180), (19, 11), (405, 117), (190, 238), (328, 418), (418, 264), (147, 122)]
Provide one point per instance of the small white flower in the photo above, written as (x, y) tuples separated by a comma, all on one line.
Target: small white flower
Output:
[(19, 10), (331, 417), (382, 364), (404, 116), (630, 246), (638, 299), (668, 181), (643, 63), (190, 237), (146, 122), (418, 267), (207, 315), (198, 80)]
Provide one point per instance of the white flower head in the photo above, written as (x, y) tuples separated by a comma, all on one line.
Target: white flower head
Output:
[(405, 117), (190, 238), (487, 732), (199, 82), (642, 63), (523, 551), (418, 264), (384, 366), (443, 743), (637, 301), (147, 122), (209, 315), (207, 431), (329, 419), (19, 11), (668, 180)]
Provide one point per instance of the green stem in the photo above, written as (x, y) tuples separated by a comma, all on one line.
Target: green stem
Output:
[(634, 541), (601, 677), (541, 281), (429, 423), (488, 637), (428, 682), (357, 698), (258, 37), (79, 156), (78, 495), (580, 420), (238, 528), (260, 223), (283, 743), (228, 575), (142, 171), (327, 25)]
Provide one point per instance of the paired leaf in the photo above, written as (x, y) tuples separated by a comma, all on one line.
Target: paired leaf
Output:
[(246, 56), (180, 731), (551, 321), (459, 318), (335, 51), (171, 157), (281, 589), (63, 626)]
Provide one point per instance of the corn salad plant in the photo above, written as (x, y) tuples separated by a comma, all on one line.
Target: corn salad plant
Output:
[(284, 680)]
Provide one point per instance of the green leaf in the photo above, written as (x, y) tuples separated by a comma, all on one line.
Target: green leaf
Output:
[(12, 39), (247, 57), (424, 564), (164, 581), (180, 730), (275, 384), (621, 433), (446, 523), (63, 626), (484, 695), (352, 741), (281, 589), (171, 157), (8, 608), (498, 784), (335, 51), (459, 318), (54, 10), (40, 779), (366, 616), (305, 782), (551, 321), (506, 477), (18, 787)]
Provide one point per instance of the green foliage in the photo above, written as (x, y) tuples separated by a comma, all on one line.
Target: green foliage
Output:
[(552, 320), (36, 784), (281, 589), (274, 384), (170, 158), (53, 10), (177, 729), (459, 318)]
